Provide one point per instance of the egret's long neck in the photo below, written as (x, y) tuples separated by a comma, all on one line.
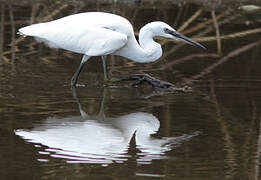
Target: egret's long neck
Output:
[(152, 49), (147, 50)]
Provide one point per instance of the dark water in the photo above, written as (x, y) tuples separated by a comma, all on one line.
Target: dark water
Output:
[(49, 131)]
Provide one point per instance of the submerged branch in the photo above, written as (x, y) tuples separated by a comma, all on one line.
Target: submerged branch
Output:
[(225, 130)]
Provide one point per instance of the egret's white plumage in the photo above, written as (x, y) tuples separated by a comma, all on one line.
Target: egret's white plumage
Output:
[(86, 33), (100, 34)]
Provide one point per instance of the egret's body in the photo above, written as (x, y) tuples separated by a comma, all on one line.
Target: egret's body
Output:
[(101, 34)]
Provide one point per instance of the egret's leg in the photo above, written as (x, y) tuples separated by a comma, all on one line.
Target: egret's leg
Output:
[(104, 68), (78, 71)]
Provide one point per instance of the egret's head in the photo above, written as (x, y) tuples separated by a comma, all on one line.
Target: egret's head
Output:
[(164, 30)]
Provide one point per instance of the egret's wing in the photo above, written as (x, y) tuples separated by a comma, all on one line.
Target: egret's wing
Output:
[(102, 41), (89, 40)]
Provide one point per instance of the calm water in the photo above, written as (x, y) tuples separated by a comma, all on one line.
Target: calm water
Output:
[(50, 131)]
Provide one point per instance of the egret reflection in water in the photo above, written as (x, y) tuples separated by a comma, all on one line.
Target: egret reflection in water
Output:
[(102, 140)]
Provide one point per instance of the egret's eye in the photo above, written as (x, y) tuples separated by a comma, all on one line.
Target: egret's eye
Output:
[(166, 30)]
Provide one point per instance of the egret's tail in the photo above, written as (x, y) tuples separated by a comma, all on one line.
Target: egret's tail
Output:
[(33, 30), (39, 32)]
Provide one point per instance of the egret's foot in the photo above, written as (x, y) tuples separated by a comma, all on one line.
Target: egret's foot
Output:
[(105, 79), (74, 83), (145, 78), (114, 79)]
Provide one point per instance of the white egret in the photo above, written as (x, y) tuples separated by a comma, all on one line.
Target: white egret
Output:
[(101, 34)]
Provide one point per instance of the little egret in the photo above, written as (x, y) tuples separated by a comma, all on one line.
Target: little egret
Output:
[(101, 34)]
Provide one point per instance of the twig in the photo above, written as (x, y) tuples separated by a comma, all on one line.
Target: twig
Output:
[(12, 33), (2, 30), (236, 52), (187, 58), (192, 18), (54, 13), (203, 24), (207, 30), (178, 16), (217, 32), (50, 16), (258, 153), (228, 36), (34, 10)]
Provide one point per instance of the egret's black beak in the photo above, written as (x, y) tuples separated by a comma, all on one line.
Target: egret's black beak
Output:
[(185, 39)]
